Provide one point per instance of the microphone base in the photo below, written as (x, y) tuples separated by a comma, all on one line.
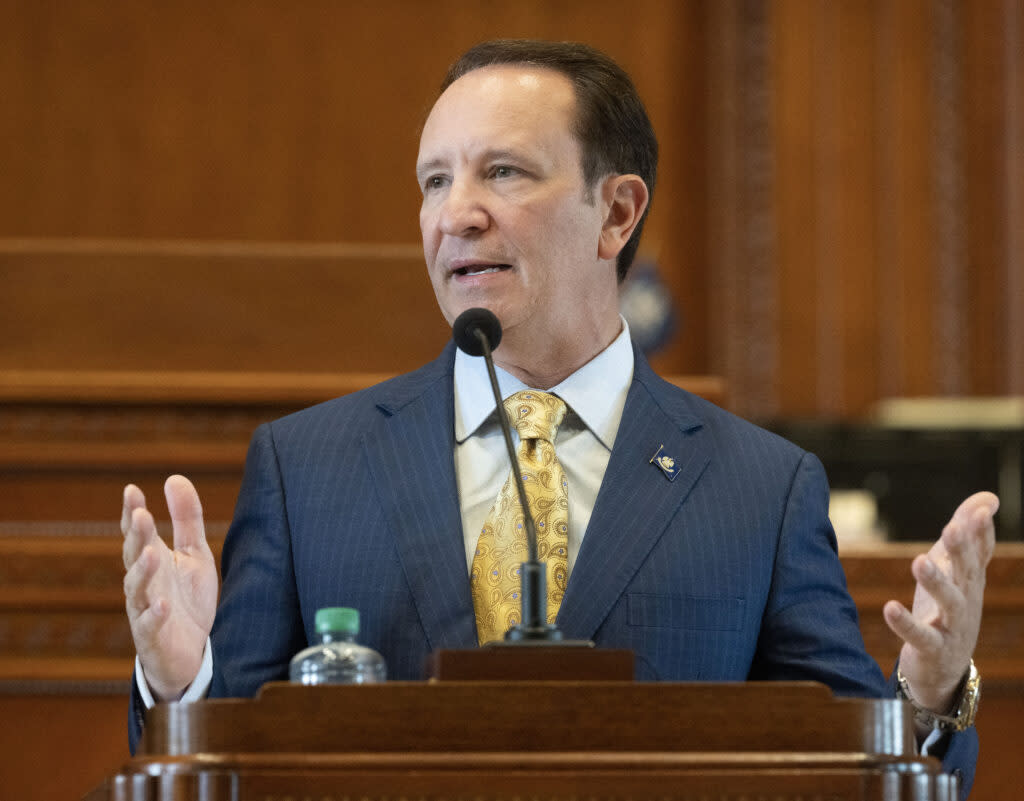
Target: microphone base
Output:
[(527, 635)]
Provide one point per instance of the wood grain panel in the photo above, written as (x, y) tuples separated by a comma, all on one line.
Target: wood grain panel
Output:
[(60, 744), (847, 310), (988, 110), (907, 256), (1013, 45), (675, 238), (742, 280), (133, 305), (797, 214)]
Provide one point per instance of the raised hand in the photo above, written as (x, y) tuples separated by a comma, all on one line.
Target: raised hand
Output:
[(170, 595), (942, 630)]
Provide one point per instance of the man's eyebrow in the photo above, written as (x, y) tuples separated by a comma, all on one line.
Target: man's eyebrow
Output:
[(487, 156), (507, 154), (429, 166)]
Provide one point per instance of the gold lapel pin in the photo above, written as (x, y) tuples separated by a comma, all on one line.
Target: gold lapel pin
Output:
[(665, 463)]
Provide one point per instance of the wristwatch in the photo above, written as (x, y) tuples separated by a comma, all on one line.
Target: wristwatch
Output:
[(964, 712)]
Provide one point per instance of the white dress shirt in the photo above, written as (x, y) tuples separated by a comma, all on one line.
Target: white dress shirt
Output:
[(595, 396)]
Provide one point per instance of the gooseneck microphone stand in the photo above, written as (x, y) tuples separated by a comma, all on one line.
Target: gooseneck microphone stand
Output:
[(477, 332)]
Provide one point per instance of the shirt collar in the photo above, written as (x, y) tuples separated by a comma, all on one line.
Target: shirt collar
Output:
[(596, 392)]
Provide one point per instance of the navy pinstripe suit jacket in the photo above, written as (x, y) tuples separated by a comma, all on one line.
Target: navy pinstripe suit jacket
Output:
[(727, 572)]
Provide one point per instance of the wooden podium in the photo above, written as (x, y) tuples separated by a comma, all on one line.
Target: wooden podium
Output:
[(517, 741)]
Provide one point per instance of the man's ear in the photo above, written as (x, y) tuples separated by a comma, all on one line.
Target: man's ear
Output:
[(624, 199)]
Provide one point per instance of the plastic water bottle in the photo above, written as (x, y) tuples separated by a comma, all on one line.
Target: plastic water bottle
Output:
[(338, 658)]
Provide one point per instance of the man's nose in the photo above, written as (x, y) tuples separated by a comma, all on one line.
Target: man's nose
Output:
[(463, 212)]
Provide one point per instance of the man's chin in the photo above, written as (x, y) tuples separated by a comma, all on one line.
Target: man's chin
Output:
[(451, 311)]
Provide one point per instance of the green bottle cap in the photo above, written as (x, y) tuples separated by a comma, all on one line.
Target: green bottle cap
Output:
[(337, 618)]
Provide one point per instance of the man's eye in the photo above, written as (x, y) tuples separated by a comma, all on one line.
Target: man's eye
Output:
[(503, 171), (434, 182)]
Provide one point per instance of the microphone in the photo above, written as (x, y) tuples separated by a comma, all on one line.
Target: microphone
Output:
[(477, 332), (470, 325)]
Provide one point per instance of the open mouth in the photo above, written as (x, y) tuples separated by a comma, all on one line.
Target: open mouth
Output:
[(481, 269)]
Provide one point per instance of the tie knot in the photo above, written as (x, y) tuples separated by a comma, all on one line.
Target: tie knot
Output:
[(535, 415)]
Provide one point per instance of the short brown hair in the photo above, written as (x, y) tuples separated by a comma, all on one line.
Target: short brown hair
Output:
[(612, 126)]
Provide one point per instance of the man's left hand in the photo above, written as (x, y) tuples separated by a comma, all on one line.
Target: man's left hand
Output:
[(940, 634)]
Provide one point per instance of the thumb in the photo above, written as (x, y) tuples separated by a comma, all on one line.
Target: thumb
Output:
[(186, 513)]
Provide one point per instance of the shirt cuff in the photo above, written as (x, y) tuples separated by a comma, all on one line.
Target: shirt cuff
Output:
[(196, 691), (932, 739)]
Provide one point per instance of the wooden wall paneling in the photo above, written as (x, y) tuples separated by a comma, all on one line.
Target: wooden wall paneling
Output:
[(761, 311), (830, 162), (998, 767), (742, 291), (891, 351), (723, 197), (1014, 180), (677, 241), (948, 205), (70, 440), (798, 159), (868, 179), (117, 305), (825, 97), (57, 498), (213, 121), (848, 317), (60, 742), (908, 258), (988, 108)]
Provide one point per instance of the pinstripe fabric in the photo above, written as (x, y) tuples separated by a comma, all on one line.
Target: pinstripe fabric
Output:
[(353, 503), (727, 573)]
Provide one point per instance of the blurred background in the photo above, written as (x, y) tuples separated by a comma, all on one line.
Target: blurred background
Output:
[(208, 217)]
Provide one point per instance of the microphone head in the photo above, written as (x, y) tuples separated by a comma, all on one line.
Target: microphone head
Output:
[(468, 323)]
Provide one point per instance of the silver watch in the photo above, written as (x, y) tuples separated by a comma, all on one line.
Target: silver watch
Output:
[(964, 712)]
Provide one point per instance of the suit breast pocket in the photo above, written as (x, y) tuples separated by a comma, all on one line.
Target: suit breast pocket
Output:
[(685, 612)]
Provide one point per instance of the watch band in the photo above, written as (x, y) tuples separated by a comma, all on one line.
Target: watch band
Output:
[(964, 711)]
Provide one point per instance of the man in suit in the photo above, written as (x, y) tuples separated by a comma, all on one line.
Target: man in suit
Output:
[(536, 165)]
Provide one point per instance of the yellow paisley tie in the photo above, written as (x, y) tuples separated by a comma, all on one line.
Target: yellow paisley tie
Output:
[(502, 545)]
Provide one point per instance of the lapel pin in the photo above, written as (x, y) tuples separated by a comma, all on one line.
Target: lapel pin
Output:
[(665, 463)]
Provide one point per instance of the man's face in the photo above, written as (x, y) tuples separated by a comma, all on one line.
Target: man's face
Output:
[(507, 221)]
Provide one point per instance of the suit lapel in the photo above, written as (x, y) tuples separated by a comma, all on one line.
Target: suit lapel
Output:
[(410, 453), (637, 500)]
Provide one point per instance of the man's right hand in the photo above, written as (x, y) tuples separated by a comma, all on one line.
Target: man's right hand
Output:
[(171, 596)]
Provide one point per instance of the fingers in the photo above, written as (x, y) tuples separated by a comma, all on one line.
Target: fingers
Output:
[(969, 538), (138, 581), (146, 627), (913, 632), (146, 602), (936, 581), (133, 499), (140, 532), (186, 513)]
